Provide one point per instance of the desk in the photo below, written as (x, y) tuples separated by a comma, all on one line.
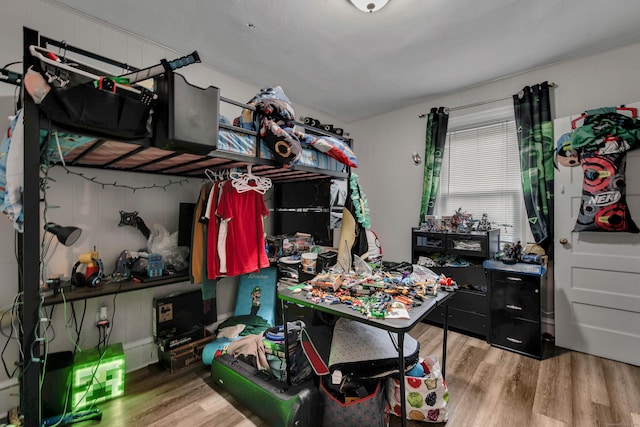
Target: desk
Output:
[(399, 326)]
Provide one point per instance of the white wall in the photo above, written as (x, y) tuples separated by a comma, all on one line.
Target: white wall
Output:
[(94, 209), (384, 143)]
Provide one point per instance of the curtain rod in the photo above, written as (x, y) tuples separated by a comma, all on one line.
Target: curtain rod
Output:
[(477, 104)]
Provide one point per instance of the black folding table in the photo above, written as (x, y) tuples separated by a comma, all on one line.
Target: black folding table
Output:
[(399, 326)]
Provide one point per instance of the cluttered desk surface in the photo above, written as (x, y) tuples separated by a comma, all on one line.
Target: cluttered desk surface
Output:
[(289, 293)]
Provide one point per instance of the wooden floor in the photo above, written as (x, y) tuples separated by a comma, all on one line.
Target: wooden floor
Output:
[(488, 387)]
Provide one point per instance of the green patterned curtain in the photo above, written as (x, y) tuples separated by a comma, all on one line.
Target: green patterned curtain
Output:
[(535, 140), (436, 136)]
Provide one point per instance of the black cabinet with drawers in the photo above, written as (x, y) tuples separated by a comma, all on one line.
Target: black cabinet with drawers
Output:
[(515, 306), (468, 306)]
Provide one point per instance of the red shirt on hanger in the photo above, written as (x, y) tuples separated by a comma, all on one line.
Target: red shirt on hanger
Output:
[(245, 244)]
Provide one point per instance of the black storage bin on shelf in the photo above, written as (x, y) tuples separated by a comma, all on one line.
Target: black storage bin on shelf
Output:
[(185, 117)]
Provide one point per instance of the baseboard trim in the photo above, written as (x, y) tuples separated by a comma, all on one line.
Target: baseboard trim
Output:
[(139, 354)]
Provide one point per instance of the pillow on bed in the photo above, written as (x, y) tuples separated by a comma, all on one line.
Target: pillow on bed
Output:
[(285, 148), (272, 101), (333, 147), (276, 108), (337, 149), (245, 120)]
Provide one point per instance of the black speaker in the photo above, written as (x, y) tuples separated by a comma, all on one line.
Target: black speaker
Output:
[(56, 388)]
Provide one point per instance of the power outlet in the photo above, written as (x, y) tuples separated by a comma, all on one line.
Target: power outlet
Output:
[(103, 314)]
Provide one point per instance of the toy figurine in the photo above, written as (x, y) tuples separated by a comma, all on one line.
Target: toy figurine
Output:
[(512, 253), (484, 224)]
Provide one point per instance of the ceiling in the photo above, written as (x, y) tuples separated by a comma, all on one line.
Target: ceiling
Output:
[(351, 65)]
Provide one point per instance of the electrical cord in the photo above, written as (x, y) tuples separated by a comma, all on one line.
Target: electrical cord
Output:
[(11, 63), (78, 326), (13, 307), (66, 322), (37, 338), (104, 338), (50, 325)]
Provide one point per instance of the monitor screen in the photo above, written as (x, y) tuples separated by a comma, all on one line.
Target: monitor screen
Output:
[(185, 223)]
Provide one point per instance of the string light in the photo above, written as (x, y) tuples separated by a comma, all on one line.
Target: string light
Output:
[(115, 184)]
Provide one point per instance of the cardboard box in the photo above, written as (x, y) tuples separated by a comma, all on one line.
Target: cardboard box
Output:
[(179, 313), (186, 356), (172, 342)]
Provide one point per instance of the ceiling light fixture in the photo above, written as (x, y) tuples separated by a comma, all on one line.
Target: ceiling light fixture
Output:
[(369, 5)]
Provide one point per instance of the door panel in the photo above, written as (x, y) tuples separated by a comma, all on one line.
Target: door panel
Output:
[(597, 274)]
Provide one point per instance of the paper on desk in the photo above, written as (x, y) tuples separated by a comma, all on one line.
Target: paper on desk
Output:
[(396, 311)]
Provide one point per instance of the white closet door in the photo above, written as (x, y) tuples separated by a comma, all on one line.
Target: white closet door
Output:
[(597, 274)]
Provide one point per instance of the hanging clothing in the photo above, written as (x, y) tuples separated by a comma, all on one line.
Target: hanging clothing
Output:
[(213, 264), (355, 221), (245, 243), (198, 236), (208, 286), (222, 245)]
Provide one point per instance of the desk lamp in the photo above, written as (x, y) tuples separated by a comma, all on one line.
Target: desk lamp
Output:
[(66, 235)]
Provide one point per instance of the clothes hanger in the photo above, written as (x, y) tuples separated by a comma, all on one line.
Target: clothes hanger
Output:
[(221, 174), (213, 176), (250, 182)]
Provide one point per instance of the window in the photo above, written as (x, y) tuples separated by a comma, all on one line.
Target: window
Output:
[(481, 174)]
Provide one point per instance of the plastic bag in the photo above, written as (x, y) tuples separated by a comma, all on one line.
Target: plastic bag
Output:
[(361, 267), (166, 244), (423, 274)]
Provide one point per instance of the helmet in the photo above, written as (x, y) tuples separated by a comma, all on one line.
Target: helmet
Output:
[(533, 249)]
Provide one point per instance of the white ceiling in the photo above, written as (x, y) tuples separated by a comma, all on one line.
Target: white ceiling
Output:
[(351, 65)]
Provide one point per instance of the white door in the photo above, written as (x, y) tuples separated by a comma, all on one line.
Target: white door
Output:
[(597, 274)]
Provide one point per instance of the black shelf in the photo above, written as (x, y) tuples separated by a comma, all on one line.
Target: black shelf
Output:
[(468, 306), (86, 292)]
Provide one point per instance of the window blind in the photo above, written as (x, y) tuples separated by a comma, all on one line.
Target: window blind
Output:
[(481, 174)]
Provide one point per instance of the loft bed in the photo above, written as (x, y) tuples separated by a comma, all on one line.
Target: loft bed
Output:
[(176, 144), (237, 148), (159, 153)]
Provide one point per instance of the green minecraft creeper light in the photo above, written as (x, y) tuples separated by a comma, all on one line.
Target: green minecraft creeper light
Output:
[(97, 378)]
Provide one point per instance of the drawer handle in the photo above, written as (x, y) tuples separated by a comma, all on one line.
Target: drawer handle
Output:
[(514, 279), (514, 340), (513, 307)]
